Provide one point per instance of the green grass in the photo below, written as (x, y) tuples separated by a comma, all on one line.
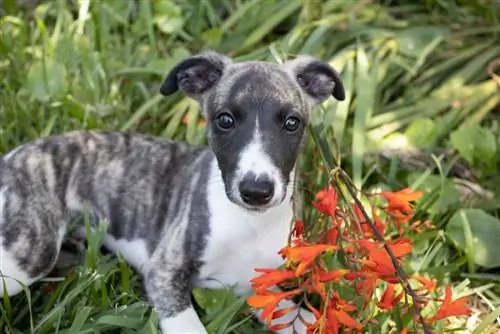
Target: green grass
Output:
[(422, 110)]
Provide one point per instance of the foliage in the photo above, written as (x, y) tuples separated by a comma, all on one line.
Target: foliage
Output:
[(422, 81)]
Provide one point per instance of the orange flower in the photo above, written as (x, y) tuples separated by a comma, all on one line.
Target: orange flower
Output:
[(339, 308), (270, 278), (330, 236), (334, 316), (269, 300), (332, 276), (427, 284), (320, 277), (366, 286), (283, 311), (278, 327), (316, 284), (379, 225), (331, 322), (399, 247), (451, 308), (304, 255), (365, 227), (379, 260), (298, 229), (346, 320), (327, 201), (389, 299), (400, 219), (400, 200)]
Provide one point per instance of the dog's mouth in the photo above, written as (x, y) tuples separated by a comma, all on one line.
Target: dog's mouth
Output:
[(256, 208)]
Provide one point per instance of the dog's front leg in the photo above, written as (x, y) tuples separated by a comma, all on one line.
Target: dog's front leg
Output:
[(169, 291), (298, 326)]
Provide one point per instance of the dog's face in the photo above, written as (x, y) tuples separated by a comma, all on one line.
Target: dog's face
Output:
[(257, 114)]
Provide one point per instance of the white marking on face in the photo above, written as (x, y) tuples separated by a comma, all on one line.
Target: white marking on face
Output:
[(185, 322), (255, 160)]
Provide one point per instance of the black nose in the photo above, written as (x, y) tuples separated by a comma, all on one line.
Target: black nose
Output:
[(256, 192)]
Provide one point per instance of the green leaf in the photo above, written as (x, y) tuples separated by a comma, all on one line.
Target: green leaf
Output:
[(421, 133), (80, 319), (47, 79), (484, 244), (211, 300), (474, 143), (119, 321)]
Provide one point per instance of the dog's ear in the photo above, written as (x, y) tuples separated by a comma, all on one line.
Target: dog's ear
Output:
[(317, 78), (195, 75)]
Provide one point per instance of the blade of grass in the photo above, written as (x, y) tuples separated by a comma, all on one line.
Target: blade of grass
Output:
[(280, 12), (363, 109)]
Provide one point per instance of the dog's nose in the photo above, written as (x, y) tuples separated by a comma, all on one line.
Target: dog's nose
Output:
[(256, 192)]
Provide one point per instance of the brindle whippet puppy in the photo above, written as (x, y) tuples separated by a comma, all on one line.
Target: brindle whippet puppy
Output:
[(184, 216)]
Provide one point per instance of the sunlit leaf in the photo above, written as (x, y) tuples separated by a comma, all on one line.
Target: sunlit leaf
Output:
[(478, 234)]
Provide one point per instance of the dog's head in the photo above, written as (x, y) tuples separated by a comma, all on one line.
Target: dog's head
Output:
[(257, 114)]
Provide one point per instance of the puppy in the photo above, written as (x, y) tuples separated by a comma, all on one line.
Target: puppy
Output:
[(184, 216)]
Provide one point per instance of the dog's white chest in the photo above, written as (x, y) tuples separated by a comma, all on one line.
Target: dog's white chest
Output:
[(236, 247), (234, 253), (240, 241)]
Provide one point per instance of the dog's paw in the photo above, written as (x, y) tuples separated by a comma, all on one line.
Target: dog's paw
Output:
[(185, 322)]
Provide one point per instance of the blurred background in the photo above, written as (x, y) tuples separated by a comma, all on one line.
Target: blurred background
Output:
[(422, 110)]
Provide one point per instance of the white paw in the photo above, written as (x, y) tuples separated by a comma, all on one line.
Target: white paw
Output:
[(186, 322)]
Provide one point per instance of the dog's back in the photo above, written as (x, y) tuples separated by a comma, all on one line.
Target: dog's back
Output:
[(134, 181)]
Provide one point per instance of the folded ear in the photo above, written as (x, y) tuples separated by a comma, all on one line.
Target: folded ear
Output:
[(317, 78), (195, 75)]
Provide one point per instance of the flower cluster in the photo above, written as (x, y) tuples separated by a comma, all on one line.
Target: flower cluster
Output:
[(353, 270)]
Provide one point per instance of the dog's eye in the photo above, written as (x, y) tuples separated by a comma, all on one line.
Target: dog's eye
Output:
[(291, 124), (225, 121)]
